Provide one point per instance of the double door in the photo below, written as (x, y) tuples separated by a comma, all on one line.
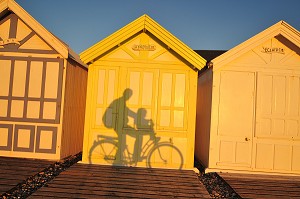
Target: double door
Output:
[(129, 106), (258, 121)]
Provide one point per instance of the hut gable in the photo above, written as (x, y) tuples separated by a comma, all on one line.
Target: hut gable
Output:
[(143, 47), (279, 44), (16, 35), (143, 39), (20, 30)]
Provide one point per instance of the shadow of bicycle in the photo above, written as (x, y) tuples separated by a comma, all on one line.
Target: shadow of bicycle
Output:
[(144, 147), (154, 153)]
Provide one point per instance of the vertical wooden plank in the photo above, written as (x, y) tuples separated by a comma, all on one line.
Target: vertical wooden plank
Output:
[(3, 108), (109, 95), (4, 136), (166, 89), (35, 80), (265, 90), (100, 86), (51, 83), (296, 158), (111, 86), (147, 88), (134, 85), (19, 81), (5, 77), (293, 96), (179, 90), (279, 95)]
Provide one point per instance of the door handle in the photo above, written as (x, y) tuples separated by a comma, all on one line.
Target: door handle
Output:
[(247, 139)]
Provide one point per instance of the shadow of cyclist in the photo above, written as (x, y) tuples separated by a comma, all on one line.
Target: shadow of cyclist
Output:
[(144, 127), (113, 113), (121, 150), (123, 129)]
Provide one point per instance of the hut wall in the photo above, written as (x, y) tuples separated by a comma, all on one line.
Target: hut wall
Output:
[(203, 118), (74, 109), (30, 106)]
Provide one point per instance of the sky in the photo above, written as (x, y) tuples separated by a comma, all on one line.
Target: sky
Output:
[(201, 24)]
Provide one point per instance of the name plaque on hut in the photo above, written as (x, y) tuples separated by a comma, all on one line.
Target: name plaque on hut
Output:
[(143, 47)]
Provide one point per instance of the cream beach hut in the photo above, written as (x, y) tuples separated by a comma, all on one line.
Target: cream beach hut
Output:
[(248, 111)]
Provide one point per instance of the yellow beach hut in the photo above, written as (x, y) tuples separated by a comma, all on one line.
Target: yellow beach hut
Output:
[(141, 98), (42, 89), (253, 91)]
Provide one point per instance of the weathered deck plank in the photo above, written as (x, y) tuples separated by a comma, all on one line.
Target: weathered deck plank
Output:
[(16, 170), (263, 186), (95, 181)]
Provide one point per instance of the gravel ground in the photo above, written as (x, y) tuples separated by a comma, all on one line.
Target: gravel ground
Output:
[(216, 186), (33, 183)]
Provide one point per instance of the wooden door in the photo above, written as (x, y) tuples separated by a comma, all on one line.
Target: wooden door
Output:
[(127, 108), (156, 110), (235, 128), (137, 114), (277, 137), (102, 115)]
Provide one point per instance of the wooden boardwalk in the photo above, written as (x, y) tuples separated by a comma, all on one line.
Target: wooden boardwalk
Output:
[(95, 181), (98, 181), (15, 170), (263, 186)]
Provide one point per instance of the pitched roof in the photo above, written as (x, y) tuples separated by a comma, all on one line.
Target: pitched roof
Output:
[(141, 24), (63, 49), (279, 30)]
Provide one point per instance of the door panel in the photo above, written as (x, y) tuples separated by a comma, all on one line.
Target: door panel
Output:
[(277, 106), (236, 118), (137, 123), (172, 100), (105, 113), (276, 140), (103, 139)]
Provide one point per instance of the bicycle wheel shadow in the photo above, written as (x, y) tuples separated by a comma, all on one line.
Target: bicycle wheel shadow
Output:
[(135, 144)]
